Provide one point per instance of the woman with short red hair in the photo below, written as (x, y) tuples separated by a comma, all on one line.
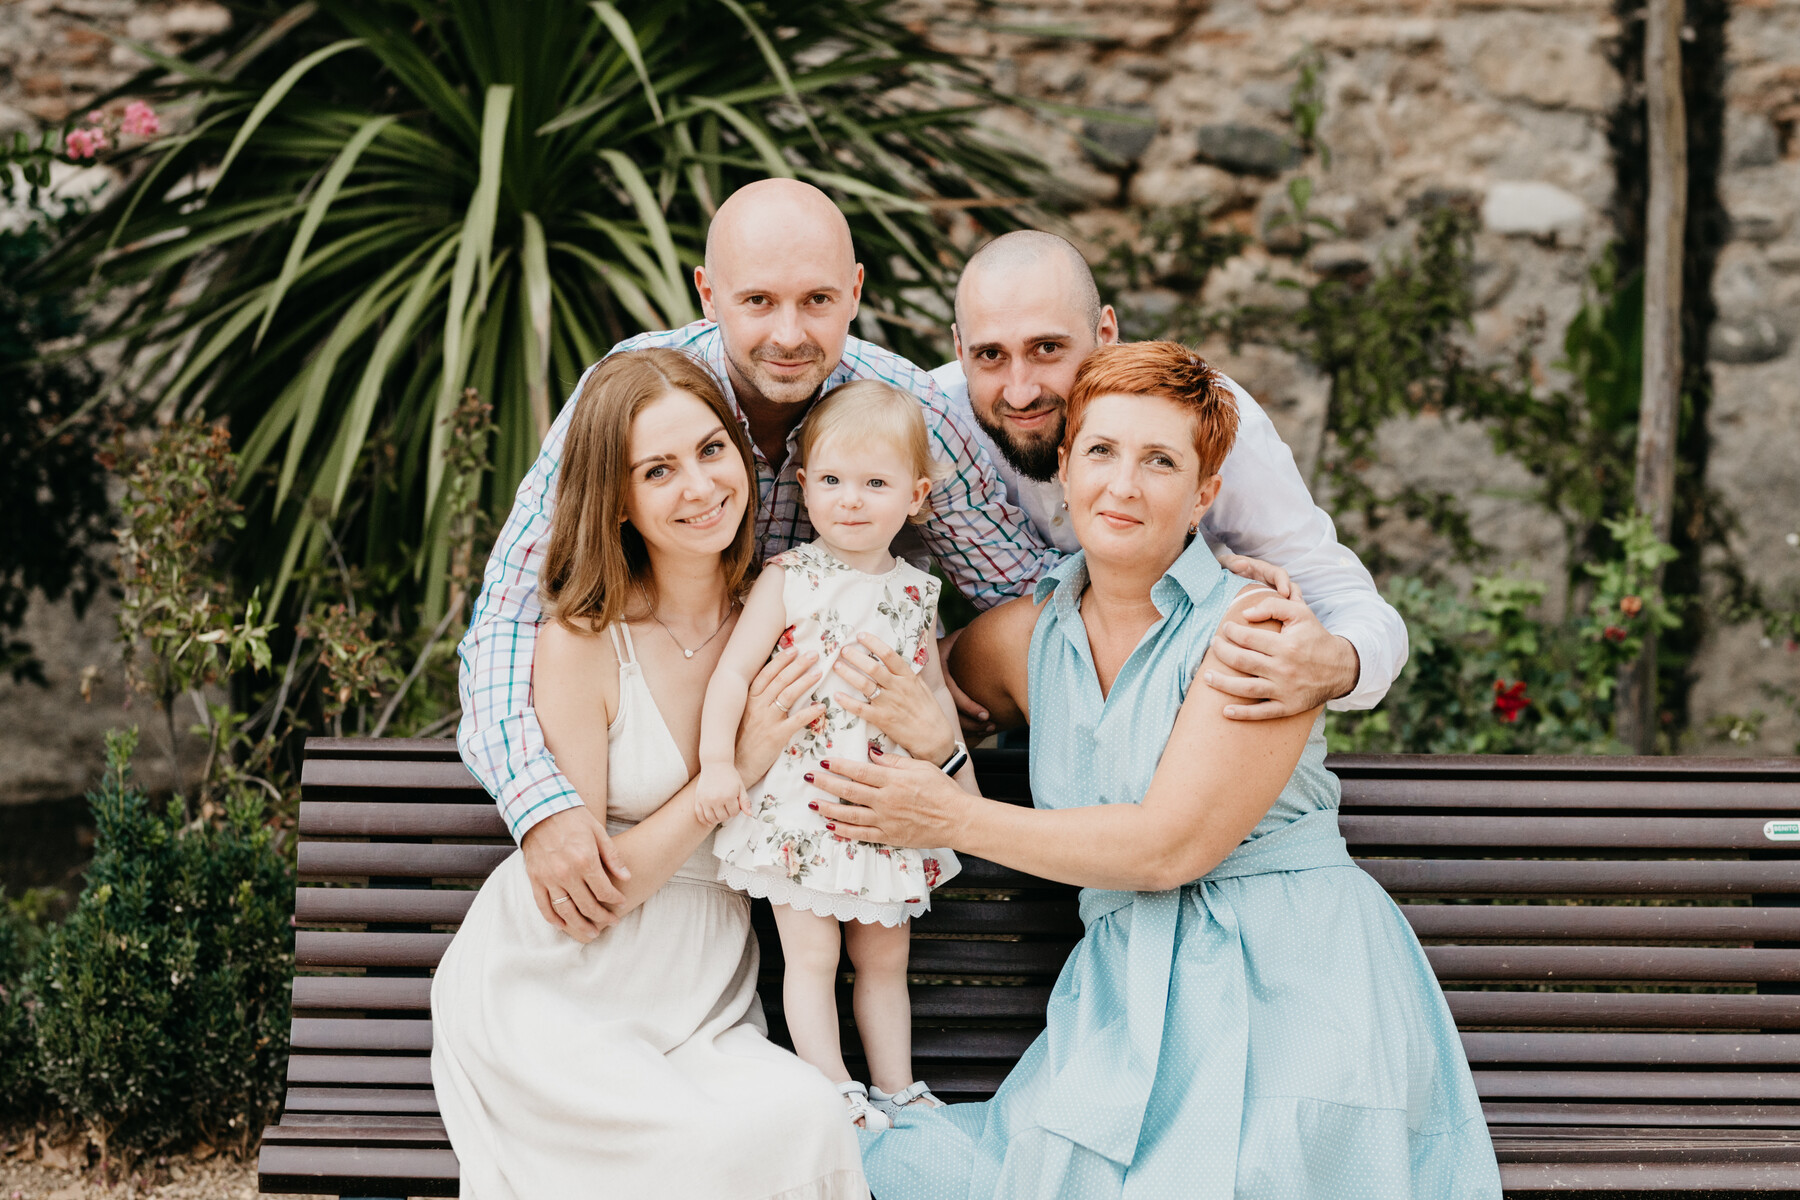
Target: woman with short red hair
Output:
[(1248, 1014)]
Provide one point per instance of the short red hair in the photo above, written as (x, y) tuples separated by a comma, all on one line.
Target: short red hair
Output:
[(1166, 369)]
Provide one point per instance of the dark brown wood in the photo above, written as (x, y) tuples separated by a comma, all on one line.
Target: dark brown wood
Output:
[(355, 818), (1776, 1086), (1583, 964), (1564, 796), (1502, 1113), (1602, 922), (1519, 834), (368, 1035), (1520, 877), (409, 906), (1697, 769), (353, 1170), (369, 1070), (297, 1129), (362, 993), (360, 1100), (317, 948), (1637, 1049), (1634, 1010), (1526, 1178), (359, 860)]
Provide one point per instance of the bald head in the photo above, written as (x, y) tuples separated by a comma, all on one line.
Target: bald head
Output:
[(1031, 262), (782, 281), (778, 217)]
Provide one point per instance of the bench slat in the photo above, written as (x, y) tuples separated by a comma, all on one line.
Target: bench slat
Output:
[(297, 1129), (323, 948), (349, 1170), (1646, 1049), (372, 1070), (370, 1034), (354, 860), (395, 774), (1605, 922), (1638, 1085), (1526, 833), (1569, 964), (412, 906), (1681, 1010), (347, 818), (359, 1100), (1565, 795), (1515, 877), (1766, 1116)]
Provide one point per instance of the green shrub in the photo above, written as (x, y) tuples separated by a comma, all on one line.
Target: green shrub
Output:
[(163, 996), (21, 921)]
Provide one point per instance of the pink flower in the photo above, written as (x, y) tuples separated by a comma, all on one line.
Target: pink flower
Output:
[(84, 143), (920, 657), (141, 120), (97, 117)]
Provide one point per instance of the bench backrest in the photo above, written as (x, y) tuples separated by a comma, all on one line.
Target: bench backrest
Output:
[(1619, 939)]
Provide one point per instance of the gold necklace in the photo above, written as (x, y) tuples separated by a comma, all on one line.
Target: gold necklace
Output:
[(685, 652)]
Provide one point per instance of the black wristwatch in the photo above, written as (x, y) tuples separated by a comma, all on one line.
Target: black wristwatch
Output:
[(959, 758)]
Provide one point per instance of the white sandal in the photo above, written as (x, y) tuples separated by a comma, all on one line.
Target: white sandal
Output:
[(915, 1093), (862, 1113)]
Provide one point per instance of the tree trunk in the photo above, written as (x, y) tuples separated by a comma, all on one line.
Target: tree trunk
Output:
[(1665, 228)]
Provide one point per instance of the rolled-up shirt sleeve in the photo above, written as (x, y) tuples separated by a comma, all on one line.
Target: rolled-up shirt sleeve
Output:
[(1265, 511), (499, 736)]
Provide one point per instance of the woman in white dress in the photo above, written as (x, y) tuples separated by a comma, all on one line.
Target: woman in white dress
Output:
[(637, 1064)]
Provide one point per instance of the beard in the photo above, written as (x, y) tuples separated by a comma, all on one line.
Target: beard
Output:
[(777, 389), (1035, 457)]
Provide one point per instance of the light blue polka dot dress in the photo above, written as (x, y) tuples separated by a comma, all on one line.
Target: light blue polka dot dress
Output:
[(1269, 1032)]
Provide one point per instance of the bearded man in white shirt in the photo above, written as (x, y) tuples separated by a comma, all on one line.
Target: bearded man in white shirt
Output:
[(1027, 314)]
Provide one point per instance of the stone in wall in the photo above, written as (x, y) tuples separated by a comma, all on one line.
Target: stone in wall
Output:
[(1494, 105), (1755, 350)]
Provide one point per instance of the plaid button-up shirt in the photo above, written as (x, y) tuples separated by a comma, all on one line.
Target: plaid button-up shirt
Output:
[(982, 542)]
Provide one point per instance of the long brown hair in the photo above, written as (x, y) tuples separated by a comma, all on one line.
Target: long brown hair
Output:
[(596, 559)]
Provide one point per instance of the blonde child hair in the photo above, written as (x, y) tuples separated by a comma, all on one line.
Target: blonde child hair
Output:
[(870, 410)]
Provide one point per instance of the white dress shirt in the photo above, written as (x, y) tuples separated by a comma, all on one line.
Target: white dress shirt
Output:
[(1263, 511)]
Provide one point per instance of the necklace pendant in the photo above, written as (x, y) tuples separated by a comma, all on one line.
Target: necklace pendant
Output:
[(687, 654)]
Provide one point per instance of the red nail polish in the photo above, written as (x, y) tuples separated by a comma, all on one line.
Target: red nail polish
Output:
[(813, 804), (875, 750), (824, 765), (831, 825), (807, 777)]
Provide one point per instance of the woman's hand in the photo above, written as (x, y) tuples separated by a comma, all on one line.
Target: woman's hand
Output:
[(893, 802), (774, 711), (894, 699)]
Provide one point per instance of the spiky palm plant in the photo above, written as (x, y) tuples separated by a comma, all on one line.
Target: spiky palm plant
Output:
[(366, 205)]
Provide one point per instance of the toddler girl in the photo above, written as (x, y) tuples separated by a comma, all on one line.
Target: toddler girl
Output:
[(866, 470)]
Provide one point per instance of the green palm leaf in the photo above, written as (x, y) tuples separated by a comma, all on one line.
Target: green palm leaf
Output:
[(370, 205)]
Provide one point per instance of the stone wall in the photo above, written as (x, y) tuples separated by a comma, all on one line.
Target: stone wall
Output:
[(1755, 357), (1501, 105)]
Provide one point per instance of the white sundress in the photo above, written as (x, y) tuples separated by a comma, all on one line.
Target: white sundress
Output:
[(636, 1065), (781, 849)]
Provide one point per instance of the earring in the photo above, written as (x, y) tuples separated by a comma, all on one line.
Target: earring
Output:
[(1065, 506), (1194, 529)]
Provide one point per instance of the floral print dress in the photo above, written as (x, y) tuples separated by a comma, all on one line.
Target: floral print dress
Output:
[(781, 848)]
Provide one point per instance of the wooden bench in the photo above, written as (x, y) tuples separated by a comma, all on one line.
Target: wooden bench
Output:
[(1619, 940)]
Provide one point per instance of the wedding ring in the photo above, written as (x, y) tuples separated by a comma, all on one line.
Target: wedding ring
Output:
[(875, 695), (562, 900), (784, 708)]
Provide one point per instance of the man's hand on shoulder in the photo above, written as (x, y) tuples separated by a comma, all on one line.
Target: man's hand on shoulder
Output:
[(1286, 671), (570, 855)]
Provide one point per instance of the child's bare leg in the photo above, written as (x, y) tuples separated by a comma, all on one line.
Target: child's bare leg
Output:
[(883, 1009), (809, 945)]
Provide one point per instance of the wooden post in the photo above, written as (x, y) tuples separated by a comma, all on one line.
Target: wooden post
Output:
[(1664, 235)]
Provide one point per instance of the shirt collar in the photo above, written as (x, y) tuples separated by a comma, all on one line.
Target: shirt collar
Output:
[(1195, 573)]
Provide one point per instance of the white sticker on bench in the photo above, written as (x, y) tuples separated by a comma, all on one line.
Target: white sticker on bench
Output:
[(1782, 831)]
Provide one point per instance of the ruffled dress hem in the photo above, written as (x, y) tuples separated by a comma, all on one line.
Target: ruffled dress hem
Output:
[(778, 889)]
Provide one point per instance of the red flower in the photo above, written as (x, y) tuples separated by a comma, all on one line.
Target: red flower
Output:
[(1613, 633), (786, 639), (1631, 606), (1509, 702), (912, 593), (920, 656), (932, 871)]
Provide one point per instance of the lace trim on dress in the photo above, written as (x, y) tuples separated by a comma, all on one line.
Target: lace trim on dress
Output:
[(779, 890)]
